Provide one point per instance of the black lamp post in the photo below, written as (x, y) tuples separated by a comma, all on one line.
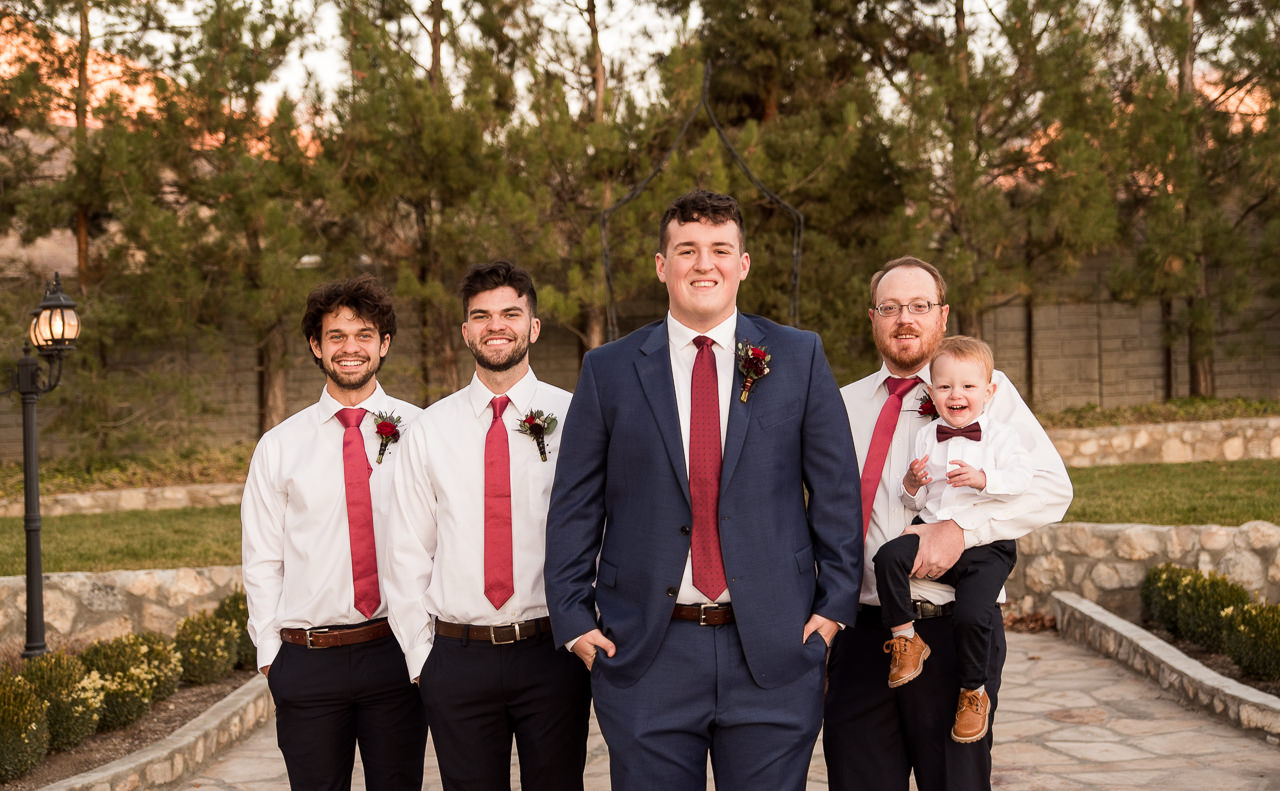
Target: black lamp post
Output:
[(54, 329)]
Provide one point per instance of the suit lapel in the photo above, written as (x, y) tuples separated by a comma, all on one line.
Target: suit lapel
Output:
[(739, 413), (653, 368)]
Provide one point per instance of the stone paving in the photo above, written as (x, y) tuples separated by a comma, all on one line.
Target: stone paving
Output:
[(1069, 718)]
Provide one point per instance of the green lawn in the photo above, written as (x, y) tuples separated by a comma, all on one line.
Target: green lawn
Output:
[(1226, 493), (1223, 493), (127, 540)]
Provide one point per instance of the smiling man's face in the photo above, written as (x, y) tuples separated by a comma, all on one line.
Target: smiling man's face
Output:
[(350, 350), (499, 328), (907, 341), (702, 267)]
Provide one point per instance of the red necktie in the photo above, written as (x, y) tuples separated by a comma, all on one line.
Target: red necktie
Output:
[(972, 431), (498, 585), (704, 472), (880, 439), (356, 471)]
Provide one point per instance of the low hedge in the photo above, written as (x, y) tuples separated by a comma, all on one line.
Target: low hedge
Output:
[(1216, 614), (235, 608), (24, 727), (208, 645), (74, 694), (129, 680)]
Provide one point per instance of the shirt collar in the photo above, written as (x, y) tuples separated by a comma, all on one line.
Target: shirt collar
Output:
[(521, 394), (883, 374), (376, 402), (681, 336)]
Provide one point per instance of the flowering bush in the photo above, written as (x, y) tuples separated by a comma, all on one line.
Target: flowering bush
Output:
[(235, 608), (24, 727), (1159, 593), (129, 680), (74, 695), (208, 645), (165, 663), (1253, 640)]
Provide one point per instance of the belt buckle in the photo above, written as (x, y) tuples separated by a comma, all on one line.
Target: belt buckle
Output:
[(309, 632), (493, 634), (702, 612)]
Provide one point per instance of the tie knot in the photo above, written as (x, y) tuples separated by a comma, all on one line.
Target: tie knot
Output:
[(899, 387), (350, 417), (702, 342), (499, 405)]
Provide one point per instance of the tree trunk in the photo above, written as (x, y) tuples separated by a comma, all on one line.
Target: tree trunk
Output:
[(1166, 345), (82, 140), (1200, 334), (437, 41), (969, 322), (272, 381)]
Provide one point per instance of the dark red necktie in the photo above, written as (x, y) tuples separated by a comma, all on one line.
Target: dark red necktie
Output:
[(498, 585), (704, 472), (356, 471), (873, 466), (972, 431)]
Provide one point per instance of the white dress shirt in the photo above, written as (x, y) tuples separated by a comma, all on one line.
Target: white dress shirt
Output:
[(435, 540), (1044, 503), (999, 455), (683, 352), (296, 543)]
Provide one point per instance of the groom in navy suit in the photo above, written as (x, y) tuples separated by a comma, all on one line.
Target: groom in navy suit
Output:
[(704, 541)]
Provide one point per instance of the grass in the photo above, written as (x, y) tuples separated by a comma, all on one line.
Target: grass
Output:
[(127, 540), (1223, 493), (169, 468), (1176, 410)]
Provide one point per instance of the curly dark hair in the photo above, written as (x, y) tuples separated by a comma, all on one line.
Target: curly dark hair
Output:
[(702, 206), (496, 274), (364, 295)]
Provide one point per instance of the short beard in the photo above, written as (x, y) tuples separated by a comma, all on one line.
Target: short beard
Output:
[(344, 382), (519, 350), (912, 362)]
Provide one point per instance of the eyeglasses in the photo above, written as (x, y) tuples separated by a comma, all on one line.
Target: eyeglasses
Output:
[(917, 308)]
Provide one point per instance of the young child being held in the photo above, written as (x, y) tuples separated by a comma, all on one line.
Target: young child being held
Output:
[(959, 461)]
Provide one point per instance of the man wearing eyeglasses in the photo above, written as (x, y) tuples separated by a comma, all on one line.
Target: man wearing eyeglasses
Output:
[(875, 736)]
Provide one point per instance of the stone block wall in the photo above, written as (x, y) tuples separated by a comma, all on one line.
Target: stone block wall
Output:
[(81, 607), (1169, 443), (1107, 563)]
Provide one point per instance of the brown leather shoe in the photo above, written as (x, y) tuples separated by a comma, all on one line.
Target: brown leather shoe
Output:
[(971, 716), (906, 658)]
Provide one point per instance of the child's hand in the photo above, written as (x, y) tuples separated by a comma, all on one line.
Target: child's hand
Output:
[(964, 475), (916, 476)]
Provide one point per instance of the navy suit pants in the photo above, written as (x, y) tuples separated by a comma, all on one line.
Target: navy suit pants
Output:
[(698, 697)]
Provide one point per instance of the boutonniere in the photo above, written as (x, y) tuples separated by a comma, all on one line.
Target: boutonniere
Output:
[(753, 361), (387, 427), (926, 408), (538, 425)]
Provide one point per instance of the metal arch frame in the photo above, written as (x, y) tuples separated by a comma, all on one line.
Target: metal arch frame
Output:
[(797, 219)]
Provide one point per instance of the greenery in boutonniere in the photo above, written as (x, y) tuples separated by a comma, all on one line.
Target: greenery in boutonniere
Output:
[(753, 361), (388, 428), (538, 425)]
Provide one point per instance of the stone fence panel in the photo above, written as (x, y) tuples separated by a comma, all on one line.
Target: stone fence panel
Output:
[(81, 607), (1107, 563), (1156, 443)]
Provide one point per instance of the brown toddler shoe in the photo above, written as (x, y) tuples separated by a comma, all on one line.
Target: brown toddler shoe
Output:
[(906, 658), (971, 716)]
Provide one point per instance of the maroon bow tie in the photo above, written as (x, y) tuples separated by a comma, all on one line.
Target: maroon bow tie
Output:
[(972, 431)]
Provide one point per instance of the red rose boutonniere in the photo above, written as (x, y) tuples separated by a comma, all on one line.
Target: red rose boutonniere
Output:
[(387, 427), (753, 361), (926, 408), (538, 425)]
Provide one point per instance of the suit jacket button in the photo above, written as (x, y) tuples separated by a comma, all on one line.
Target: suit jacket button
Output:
[(684, 530), (671, 593)]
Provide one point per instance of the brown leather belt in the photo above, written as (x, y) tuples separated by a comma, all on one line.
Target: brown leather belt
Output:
[(920, 609), (334, 636), (498, 635), (704, 614)]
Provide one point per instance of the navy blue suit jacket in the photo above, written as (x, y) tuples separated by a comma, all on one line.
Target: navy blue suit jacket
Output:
[(617, 536)]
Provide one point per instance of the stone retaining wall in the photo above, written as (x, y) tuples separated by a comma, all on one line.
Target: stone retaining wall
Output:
[(106, 501), (1106, 563), (81, 607), (1155, 443)]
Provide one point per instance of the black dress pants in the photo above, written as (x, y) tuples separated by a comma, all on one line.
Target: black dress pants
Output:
[(328, 700), (479, 695), (977, 576)]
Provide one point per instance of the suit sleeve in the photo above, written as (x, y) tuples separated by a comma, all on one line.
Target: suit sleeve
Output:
[(576, 516), (830, 467)]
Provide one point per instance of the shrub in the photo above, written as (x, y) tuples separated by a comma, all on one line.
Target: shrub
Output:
[(1159, 594), (24, 728), (235, 608), (208, 647), (129, 680), (165, 663), (1253, 640), (74, 695), (1201, 602)]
